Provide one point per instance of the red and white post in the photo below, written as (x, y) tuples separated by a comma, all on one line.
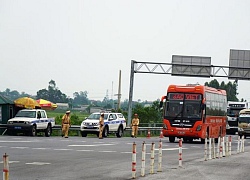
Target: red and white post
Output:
[(143, 157), (5, 167), (243, 143), (221, 150), (230, 146), (160, 157), (210, 149), (238, 147), (152, 160), (218, 148), (223, 147), (134, 161), (227, 146), (213, 148), (205, 149), (180, 152)]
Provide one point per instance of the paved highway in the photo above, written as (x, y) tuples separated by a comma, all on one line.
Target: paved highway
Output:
[(57, 158)]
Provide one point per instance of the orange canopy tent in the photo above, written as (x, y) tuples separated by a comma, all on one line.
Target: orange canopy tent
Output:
[(26, 102), (45, 104)]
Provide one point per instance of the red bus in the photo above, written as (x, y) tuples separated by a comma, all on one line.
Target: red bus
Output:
[(194, 112)]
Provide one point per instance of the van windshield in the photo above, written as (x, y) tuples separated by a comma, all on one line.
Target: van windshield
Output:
[(28, 114), (96, 116), (244, 119)]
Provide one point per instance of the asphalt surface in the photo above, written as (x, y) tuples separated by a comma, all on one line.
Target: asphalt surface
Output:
[(57, 158)]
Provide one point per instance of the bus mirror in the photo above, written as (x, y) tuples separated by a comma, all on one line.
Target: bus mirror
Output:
[(203, 106), (161, 104)]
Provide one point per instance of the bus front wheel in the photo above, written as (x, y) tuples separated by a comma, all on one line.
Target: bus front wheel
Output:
[(171, 139)]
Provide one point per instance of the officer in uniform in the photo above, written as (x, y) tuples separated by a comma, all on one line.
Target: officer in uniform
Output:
[(101, 125), (135, 124), (66, 124)]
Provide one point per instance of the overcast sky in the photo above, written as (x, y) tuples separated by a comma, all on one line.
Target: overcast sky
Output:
[(82, 44)]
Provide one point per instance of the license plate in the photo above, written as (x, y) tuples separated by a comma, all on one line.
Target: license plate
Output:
[(181, 132), (17, 127), (90, 127)]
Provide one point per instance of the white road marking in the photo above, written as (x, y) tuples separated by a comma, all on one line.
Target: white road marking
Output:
[(196, 146), (63, 149), (38, 163), (170, 149), (126, 152), (107, 151), (41, 148), (3, 146), (1, 162), (19, 147), (85, 150), (14, 141), (89, 145)]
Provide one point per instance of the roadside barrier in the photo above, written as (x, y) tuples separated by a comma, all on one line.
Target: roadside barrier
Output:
[(152, 159), (134, 161), (223, 147), (180, 152), (160, 157), (143, 158), (5, 167)]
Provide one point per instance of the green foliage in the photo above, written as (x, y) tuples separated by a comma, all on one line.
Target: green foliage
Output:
[(53, 94), (231, 88), (76, 117), (148, 114)]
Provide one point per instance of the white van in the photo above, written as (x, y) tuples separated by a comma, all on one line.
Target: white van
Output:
[(113, 123)]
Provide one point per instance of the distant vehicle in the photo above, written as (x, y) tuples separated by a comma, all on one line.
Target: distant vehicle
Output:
[(194, 112), (31, 121), (113, 123), (244, 123), (233, 110)]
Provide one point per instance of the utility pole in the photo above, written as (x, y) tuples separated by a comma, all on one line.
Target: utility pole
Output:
[(119, 92)]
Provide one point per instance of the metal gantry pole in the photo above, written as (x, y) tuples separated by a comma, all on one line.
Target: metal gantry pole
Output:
[(130, 101)]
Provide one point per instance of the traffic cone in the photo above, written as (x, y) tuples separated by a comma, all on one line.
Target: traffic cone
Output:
[(161, 135), (148, 136)]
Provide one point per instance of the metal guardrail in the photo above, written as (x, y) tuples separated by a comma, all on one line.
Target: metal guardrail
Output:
[(77, 128)]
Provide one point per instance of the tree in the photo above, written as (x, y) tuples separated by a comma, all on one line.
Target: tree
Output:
[(53, 94), (231, 88)]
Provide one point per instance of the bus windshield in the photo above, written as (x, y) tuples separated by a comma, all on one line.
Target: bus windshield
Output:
[(244, 120), (184, 105)]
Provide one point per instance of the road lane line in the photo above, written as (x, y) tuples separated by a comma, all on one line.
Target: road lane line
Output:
[(19, 147), (38, 163), (1, 162), (85, 150), (107, 151), (63, 149), (15, 141), (41, 148)]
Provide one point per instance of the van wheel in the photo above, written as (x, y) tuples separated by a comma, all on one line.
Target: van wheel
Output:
[(84, 134), (48, 131), (105, 132), (119, 132), (33, 131)]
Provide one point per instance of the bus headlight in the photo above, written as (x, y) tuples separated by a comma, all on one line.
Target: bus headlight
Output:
[(198, 128), (165, 126)]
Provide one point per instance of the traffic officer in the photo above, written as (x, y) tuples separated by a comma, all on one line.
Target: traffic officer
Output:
[(135, 124), (66, 124), (101, 125)]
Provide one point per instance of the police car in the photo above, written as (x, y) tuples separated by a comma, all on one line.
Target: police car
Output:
[(113, 123)]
